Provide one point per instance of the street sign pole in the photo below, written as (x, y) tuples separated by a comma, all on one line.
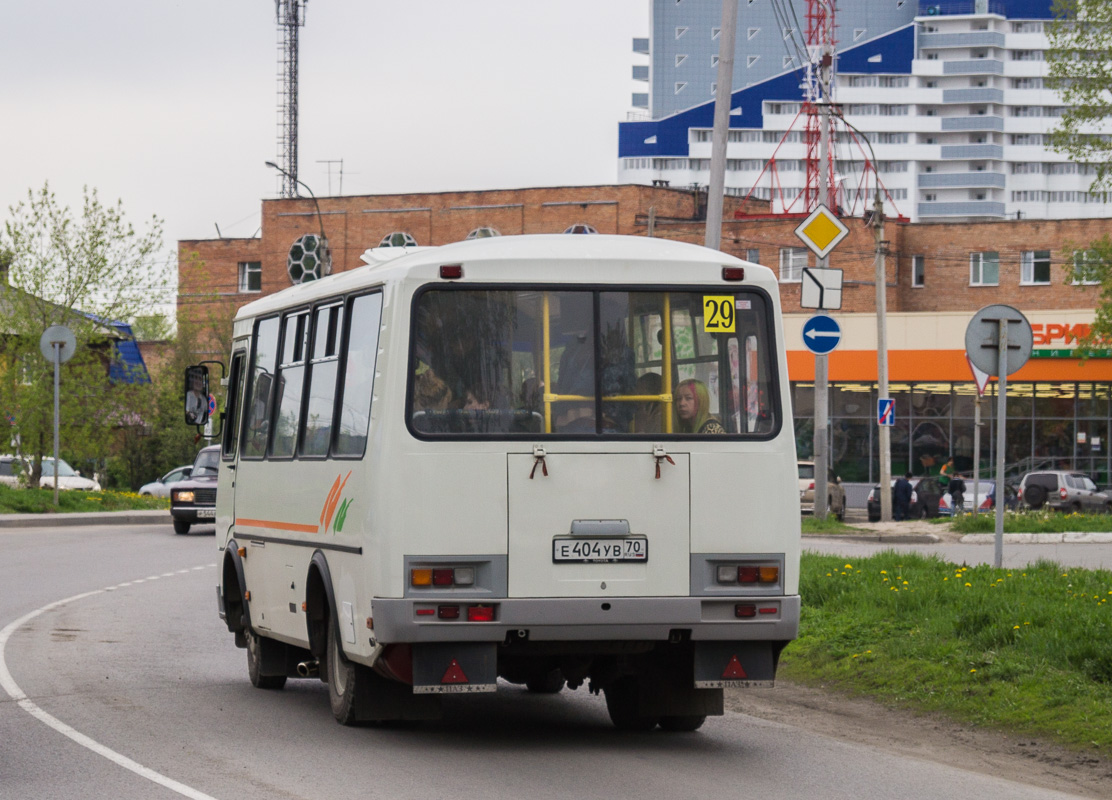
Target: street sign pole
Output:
[(976, 451), (1001, 429), (822, 421), (57, 348), (998, 340)]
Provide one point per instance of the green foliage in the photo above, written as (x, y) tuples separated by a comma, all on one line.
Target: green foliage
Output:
[(165, 441), (41, 501), (1027, 650), (1080, 70), (79, 271)]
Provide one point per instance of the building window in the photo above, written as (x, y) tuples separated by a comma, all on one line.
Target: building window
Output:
[(1034, 267), (680, 86), (753, 32), (250, 276), (984, 269), (918, 271), (751, 60), (1086, 267), (792, 262), (680, 58), (753, 254), (680, 31)]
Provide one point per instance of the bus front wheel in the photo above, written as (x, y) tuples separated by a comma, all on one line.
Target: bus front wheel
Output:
[(345, 680), (255, 645)]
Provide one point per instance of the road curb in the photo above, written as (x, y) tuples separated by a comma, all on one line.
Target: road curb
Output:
[(886, 538), (65, 520), (1077, 537)]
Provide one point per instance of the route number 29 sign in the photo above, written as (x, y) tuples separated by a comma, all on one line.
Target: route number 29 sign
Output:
[(718, 313)]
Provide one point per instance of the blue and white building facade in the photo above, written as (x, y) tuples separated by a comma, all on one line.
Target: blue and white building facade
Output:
[(950, 95)]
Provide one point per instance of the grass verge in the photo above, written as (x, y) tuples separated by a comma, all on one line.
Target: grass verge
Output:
[(1029, 651), (41, 501), (1042, 521), (811, 524)]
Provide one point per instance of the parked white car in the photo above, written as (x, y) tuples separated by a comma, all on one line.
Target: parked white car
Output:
[(161, 487), (68, 477)]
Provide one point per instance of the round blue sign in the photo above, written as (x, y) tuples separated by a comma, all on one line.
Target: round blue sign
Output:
[(212, 405), (821, 334)]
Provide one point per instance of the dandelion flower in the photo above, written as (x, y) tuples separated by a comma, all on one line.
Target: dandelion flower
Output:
[(849, 566), (972, 670), (968, 584), (1015, 627), (885, 572)]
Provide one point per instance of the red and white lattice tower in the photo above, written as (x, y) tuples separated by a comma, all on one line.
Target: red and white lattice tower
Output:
[(819, 185)]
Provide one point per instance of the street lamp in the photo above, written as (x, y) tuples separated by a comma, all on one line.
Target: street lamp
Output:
[(325, 253)]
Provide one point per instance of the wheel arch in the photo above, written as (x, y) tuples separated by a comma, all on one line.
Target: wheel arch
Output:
[(320, 603), (233, 587)]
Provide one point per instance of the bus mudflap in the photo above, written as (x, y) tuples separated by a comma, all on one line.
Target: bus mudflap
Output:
[(720, 665), (451, 668)]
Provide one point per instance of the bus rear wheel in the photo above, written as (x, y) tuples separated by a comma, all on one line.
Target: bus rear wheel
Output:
[(624, 707)]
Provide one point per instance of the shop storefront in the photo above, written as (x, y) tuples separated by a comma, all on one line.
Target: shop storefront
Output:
[(1059, 408)]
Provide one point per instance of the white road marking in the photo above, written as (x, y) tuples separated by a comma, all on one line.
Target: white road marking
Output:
[(13, 690)]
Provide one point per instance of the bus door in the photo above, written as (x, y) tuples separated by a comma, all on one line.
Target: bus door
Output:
[(229, 451)]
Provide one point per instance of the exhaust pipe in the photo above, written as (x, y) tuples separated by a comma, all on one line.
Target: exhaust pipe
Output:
[(308, 669)]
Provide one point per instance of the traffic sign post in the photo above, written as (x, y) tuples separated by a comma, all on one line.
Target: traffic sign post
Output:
[(57, 345), (998, 340), (821, 334)]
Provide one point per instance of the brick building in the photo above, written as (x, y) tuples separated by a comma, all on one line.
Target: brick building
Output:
[(938, 275)]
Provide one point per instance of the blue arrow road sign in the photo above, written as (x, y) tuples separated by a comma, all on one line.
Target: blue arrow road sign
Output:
[(821, 334), (885, 412)]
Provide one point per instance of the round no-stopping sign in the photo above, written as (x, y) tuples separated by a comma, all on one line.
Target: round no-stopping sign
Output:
[(982, 339)]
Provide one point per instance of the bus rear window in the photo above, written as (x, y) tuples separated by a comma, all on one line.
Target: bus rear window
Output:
[(592, 363)]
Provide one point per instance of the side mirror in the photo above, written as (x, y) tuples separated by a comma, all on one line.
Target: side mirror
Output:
[(196, 395)]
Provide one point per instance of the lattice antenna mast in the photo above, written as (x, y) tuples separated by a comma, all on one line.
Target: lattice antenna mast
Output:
[(818, 95), (290, 15)]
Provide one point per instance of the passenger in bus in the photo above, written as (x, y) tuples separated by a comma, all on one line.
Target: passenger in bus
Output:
[(647, 415), (430, 392), (693, 409)]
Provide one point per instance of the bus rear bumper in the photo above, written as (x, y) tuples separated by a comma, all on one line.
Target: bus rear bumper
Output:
[(731, 619)]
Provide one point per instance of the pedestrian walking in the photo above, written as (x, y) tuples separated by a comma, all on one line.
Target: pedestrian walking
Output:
[(957, 494), (901, 495)]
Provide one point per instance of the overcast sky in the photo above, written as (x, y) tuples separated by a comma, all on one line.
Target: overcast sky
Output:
[(172, 107)]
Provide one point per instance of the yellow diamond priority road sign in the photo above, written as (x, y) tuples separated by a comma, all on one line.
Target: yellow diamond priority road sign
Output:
[(821, 231)]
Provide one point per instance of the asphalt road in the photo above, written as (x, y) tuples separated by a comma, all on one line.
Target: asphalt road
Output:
[(118, 681)]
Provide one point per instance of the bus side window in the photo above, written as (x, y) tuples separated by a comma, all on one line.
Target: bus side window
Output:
[(235, 397), (321, 388), (291, 377), (360, 353), (261, 388)]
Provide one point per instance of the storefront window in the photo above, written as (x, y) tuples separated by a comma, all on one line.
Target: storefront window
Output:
[(1052, 400), (1092, 400), (852, 400), (1019, 400), (930, 400), (851, 453)]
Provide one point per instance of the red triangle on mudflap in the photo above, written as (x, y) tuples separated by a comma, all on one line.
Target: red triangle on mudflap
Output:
[(734, 671), (454, 674)]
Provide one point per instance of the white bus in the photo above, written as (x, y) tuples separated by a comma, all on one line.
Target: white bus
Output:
[(555, 460)]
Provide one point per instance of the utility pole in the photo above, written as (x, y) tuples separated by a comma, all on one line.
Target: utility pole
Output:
[(826, 190), (721, 134), (885, 432)]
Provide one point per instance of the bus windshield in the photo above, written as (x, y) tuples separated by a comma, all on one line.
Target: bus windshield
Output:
[(583, 362)]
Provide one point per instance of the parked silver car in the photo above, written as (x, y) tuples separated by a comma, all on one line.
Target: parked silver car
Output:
[(161, 487), (1063, 490)]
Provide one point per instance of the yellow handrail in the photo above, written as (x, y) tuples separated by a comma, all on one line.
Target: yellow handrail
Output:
[(547, 368)]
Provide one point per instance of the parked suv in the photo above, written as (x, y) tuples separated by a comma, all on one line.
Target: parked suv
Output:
[(193, 500), (1063, 490)]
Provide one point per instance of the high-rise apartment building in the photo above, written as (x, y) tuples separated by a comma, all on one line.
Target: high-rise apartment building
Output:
[(949, 94)]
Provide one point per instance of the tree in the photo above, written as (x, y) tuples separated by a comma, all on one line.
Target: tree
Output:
[(86, 272), (1080, 70)]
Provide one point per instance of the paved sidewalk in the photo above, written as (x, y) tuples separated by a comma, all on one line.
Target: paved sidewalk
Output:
[(156, 517), (923, 532)]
